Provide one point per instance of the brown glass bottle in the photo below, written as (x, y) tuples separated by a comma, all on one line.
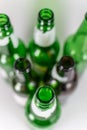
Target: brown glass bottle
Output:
[(23, 83), (65, 73)]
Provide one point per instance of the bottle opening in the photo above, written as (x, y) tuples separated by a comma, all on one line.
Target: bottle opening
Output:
[(45, 20), (22, 65), (45, 94), (66, 64), (46, 14), (3, 19), (5, 26)]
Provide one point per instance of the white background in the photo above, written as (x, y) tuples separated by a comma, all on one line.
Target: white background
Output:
[(68, 15)]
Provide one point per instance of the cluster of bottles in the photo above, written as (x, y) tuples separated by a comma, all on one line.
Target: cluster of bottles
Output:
[(34, 72)]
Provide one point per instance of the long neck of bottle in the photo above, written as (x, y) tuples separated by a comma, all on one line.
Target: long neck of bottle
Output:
[(45, 111), (83, 27), (6, 28), (67, 76), (44, 102), (6, 34), (44, 33), (7, 44), (9, 39)]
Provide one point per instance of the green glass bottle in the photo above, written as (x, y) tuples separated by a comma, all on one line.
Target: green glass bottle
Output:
[(44, 48), (65, 74), (43, 109), (11, 48), (76, 46), (23, 83)]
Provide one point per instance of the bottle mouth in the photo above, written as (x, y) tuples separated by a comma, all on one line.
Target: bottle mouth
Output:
[(5, 26), (3, 19), (46, 16), (22, 65), (45, 95), (65, 64)]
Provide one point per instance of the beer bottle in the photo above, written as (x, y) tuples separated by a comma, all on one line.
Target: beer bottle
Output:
[(23, 83), (11, 48), (43, 109), (44, 48), (65, 73)]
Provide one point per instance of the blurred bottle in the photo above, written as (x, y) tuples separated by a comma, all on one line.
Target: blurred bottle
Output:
[(43, 109), (23, 84), (11, 48), (64, 73), (76, 46), (64, 78), (44, 48)]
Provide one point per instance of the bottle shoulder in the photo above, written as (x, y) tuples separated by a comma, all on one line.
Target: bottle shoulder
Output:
[(32, 43), (43, 55)]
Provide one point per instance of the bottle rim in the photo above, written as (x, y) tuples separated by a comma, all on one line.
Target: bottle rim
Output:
[(46, 16), (65, 64), (45, 95), (4, 20)]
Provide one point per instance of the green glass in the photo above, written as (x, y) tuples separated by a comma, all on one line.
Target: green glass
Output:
[(11, 48), (43, 110), (76, 45), (23, 82), (42, 54), (55, 84)]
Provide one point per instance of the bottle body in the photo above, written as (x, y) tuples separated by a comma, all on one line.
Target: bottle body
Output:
[(42, 117), (43, 59)]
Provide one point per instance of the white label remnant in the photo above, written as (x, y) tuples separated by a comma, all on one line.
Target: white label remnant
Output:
[(43, 113), (44, 39)]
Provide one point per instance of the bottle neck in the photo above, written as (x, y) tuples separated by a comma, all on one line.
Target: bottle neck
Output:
[(44, 102), (11, 38), (45, 111), (44, 39), (66, 76), (83, 27), (5, 26), (64, 70)]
